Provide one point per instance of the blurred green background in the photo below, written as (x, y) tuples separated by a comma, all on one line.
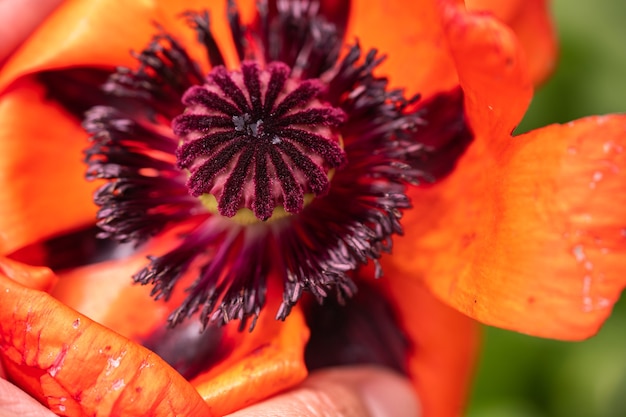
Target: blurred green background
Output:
[(521, 376)]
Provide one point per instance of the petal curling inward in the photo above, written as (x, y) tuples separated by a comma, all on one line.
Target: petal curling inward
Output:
[(34, 277), (532, 23), (41, 174), (492, 70), (79, 368), (115, 27), (532, 237), (263, 362)]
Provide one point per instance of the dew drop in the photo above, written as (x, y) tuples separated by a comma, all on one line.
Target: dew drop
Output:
[(118, 384), (114, 363), (579, 253), (597, 176), (611, 146), (587, 300)]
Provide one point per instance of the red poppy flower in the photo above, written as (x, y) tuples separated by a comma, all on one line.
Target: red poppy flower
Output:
[(247, 243)]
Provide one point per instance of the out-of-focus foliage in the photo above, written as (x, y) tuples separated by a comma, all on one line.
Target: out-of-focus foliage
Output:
[(521, 376)]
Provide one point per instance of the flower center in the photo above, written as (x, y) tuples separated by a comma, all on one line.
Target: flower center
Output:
[(257, 143)]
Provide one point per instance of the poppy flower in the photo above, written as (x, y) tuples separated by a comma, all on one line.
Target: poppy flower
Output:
[(233, 239)]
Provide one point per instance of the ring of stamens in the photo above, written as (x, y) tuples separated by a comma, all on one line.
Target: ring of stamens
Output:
[(225, 150), (257, 141)]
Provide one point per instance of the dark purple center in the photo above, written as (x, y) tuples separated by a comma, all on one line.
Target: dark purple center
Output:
[(257, 139)]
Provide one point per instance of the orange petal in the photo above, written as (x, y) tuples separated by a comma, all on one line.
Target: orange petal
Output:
[(436, 45), (529, 236), (410, 33), (35, 277), (491, 68), (253, 365), (105, 293), (444, 344), (78, 367), (262, 363), (101, 33), (42, 187), (531, 22)]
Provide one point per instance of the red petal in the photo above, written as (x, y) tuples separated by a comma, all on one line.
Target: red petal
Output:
[(256, 365), (101, 34), (253, 366), (105, 293), (444, 346), (37, 278), (491, 68), (43, 190), (436, 45), (262, 363), (531, 22), (528, 235), (410, 33), (78, 367)]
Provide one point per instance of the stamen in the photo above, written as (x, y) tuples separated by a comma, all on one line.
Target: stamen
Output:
[(296, 33), (144, 192), (316, 141), (201, 23), (166, 71), (258, 139)]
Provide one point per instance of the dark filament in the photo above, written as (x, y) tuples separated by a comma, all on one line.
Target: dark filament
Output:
[(295, 120)]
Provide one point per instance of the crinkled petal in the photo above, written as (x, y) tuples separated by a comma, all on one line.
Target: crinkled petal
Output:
[(532, 23), (42, 187), (249, 367), (443, 344), (529, 235), (78, 367), (101, 34)]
